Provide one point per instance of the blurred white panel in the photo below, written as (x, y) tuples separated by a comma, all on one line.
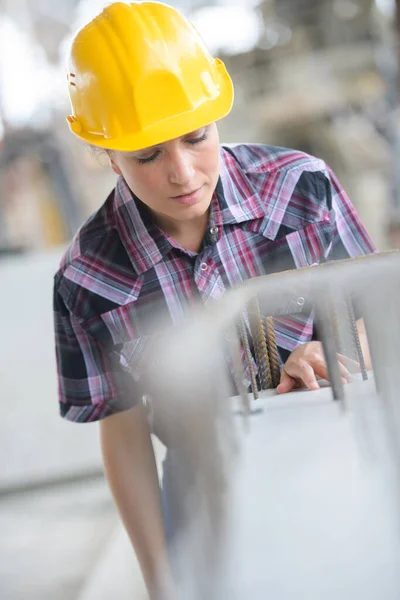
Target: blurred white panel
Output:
[(35, 443), (228, 29), (28, 83), (387, 7)]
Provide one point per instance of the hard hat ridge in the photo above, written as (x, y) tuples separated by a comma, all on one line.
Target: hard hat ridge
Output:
[(140, 74)]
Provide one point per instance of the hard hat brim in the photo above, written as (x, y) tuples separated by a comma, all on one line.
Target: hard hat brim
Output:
[(181, 124)]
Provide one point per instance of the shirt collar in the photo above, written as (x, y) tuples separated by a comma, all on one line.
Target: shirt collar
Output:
[(143, 240), (234, 201), (240, 201)]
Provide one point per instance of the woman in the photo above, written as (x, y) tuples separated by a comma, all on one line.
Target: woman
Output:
[(186, 220)]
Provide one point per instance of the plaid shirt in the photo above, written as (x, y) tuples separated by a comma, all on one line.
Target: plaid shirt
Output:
[(273, 209)]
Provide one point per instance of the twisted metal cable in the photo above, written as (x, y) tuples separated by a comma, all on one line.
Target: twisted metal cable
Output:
[(275, 364), (260, 345)]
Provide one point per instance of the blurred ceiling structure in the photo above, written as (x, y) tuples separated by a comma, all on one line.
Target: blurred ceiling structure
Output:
[(47, 21), (51, 21), (321, 75)]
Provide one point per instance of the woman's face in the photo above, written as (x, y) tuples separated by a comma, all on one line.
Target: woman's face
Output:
[(176, 179)]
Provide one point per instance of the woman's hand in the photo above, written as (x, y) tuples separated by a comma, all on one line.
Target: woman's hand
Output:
[(306, 363)]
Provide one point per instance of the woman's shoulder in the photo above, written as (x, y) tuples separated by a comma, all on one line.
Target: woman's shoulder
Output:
[(95, 270), (285, 185), (265, 158), (90, 237)]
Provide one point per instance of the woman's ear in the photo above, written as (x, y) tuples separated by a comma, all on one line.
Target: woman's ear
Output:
[(113, 163)]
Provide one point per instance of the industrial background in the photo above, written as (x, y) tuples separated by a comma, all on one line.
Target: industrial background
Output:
[(317, 75)]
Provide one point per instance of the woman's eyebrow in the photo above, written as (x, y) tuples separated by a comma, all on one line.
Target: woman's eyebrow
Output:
[(158, 146), (196, 131), (142, 150)]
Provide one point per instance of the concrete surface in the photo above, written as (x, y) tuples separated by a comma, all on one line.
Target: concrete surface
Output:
[(51, 540), (35, 443), (116, 574)]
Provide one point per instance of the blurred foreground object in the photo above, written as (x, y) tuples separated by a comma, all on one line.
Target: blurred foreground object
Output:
[(304, 502)]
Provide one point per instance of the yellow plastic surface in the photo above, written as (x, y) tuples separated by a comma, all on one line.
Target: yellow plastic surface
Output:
[(139, 75)]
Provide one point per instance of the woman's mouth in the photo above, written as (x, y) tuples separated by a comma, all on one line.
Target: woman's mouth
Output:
[(190, 198)]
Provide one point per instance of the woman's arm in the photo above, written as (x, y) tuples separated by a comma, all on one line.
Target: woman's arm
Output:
[(132, 476)]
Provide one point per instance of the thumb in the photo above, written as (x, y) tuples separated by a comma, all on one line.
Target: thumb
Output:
[(286, 383)]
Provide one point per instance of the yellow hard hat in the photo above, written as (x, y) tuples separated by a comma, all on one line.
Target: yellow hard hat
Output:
[(139, 74)]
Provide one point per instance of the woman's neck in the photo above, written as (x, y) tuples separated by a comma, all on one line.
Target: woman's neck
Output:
[(189, 234)]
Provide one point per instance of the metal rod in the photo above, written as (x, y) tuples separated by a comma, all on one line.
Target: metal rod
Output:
[(326, 334), (356, 338), (248, 355)]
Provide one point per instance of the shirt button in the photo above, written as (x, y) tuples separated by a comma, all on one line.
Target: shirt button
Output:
[(300, 301), (214, 230), (204, 266)]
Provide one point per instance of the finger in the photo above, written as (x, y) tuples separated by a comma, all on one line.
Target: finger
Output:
[(286, 384), (344, 373), (302, 370), (351, 364), (308, 375), (321, 370)]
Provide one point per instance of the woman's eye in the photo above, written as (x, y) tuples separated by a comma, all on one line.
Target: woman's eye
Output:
[(193, 141), (143, 161), (199, 139)]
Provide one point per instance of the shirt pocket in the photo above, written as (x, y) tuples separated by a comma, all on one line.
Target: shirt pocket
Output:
[(308, 246), (311, 245)]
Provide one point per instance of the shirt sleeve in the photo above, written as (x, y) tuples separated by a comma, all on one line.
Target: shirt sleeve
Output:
[(349, 236), (92, 384)]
